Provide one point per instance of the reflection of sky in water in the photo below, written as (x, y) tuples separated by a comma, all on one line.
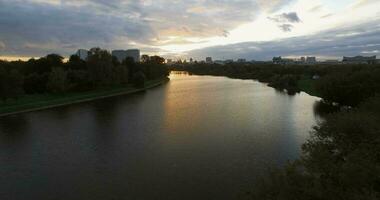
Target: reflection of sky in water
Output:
[(197, 137)]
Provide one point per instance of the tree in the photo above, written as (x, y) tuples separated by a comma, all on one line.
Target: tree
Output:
[(57, 80), (157, 60), (100, 67), (139, 79), (145, 59), (54, 60), (75, 63), (11, 84), (36, 83)]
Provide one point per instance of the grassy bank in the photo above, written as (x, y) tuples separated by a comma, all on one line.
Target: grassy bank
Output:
[(30, 103)]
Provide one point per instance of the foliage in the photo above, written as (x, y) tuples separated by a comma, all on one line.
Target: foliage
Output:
[(11, 83), (350, 87), (50, 74), (57, 80), (139, 79)]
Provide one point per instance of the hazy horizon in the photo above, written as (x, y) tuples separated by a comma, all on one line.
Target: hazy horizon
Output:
[(251, 29)]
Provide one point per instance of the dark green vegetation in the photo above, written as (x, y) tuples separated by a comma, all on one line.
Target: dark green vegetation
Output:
[(48, 81), (342, 158)]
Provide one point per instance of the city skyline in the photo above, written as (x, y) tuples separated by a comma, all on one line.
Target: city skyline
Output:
[(255, 30)]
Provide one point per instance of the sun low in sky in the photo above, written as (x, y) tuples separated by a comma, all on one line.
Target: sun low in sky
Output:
[(223, 29)]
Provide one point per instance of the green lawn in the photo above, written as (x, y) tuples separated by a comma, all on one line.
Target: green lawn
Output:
[(30, 102)]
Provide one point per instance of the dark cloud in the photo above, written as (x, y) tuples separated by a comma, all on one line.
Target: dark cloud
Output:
[(286, 27), (285, 20), (291, 17), (37, 27), (335, 43)]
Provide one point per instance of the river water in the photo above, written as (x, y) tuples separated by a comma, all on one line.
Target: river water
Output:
[(197, 137)]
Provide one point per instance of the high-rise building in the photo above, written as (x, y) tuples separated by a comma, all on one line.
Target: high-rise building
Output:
[(83, 54), (360, 60), (311, 59), (134, 53), (121, 55), (241, 60)]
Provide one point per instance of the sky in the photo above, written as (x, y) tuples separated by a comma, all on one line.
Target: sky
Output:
[(223, 29)]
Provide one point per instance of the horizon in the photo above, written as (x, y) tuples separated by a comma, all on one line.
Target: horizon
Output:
[(219, 29)]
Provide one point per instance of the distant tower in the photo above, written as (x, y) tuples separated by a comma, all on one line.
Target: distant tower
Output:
[(311, 59), (133, 53), (83, 54)]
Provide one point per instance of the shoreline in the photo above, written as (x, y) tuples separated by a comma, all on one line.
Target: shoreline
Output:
[(88, 99), (301, 83)]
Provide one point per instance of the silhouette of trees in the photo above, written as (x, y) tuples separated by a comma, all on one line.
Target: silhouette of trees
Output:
[(50, 74), (100, 67), (11, 83), (139, 79), (145, 58), (57, 80), (350, 87)]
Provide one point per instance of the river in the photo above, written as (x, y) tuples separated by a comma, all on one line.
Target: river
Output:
[(196, 137)]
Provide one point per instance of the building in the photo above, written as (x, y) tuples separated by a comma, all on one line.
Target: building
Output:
[(208, 60), (311, 59), (282, 61), (241, 60), (83, 54), (134, 53), (360, 60), (303, 59), (121, 55)]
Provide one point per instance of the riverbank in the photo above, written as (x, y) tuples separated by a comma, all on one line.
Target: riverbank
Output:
[(304, 84), (31, 103)]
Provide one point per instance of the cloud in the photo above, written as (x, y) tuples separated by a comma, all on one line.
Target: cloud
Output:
[(286, 27), (286, 20), (329, 44), (64, 25), (291, 17), (360, 3)]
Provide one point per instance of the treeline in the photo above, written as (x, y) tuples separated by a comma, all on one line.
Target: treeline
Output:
[(51, 74), (344, 84)]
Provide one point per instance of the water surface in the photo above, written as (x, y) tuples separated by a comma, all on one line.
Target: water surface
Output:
[(197, 137)]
